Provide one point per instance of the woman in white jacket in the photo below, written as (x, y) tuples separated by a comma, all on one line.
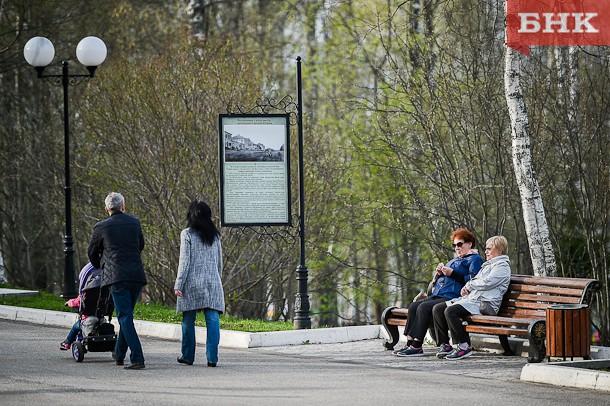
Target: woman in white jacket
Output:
[(489, 286)]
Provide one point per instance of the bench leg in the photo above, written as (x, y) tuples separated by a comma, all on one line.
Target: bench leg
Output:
[(537, 335), (508, 352), (391, 329)]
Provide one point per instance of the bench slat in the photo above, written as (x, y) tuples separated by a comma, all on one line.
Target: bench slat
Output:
[(545, 289), (578, 283), (518, 304), (503, 321), (496, 330), (541, 298), (396, 322), (523, 313), (400, 312)]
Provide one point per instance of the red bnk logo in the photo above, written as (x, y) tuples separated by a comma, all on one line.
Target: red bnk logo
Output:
[(557, 22)]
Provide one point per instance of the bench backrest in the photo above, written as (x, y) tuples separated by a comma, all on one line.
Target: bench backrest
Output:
[(529, 296)]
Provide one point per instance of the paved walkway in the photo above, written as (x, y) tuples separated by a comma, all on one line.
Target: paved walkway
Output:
[(363, 345), (482, 364), (34, 371)]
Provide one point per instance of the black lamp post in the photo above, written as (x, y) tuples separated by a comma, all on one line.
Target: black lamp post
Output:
[(91, 52), (301, 308)]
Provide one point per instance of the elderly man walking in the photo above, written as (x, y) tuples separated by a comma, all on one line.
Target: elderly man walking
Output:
[(115, 247)]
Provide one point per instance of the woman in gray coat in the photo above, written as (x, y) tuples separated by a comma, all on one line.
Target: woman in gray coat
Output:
[(199, 285), (488, 286)]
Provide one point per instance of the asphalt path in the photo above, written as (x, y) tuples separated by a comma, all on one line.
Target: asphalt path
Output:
[(34, 371)]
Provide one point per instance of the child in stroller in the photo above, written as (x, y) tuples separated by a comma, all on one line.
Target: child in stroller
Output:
[(75, 304), (92, 331)]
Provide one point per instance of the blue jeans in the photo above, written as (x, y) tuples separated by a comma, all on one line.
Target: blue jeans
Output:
[(125, 296), (73, 332), (212, 322)]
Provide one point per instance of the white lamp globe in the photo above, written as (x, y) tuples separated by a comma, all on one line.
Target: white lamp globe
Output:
[(39, 52), (91, 51)]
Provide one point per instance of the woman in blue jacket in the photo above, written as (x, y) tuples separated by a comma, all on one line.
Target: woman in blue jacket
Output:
[(451, 278)]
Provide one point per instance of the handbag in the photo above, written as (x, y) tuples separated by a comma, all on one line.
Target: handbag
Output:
[(486, 308), (432, 284), (424, 295)]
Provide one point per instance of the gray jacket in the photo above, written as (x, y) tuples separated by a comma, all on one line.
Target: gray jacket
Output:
[(490, 285), (199, 274)]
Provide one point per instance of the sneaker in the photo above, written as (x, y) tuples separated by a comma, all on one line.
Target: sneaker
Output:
[(458, 353), (183, 361), (411, 352), (395, 352), (444, 350), (135, 365), (64, 345)]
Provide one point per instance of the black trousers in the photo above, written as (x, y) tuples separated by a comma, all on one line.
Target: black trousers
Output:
[(449, 318), (420, 317)]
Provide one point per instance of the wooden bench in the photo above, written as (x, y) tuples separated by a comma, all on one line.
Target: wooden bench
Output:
[(522, 313)]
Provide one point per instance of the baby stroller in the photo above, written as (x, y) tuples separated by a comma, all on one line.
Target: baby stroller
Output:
[(96, 332)]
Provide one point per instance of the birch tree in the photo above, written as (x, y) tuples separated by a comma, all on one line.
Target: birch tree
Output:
[(536, 228)]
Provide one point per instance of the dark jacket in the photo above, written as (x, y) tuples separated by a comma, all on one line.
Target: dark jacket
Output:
[(464, 269), (115, 247)]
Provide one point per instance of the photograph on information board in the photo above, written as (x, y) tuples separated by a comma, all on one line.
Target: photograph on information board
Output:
[(254, 170)]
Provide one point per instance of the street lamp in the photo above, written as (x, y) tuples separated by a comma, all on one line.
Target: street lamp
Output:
[(301, 307), (91, 52)]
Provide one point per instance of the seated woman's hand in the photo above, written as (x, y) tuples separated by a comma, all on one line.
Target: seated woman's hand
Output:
[(464, 291), (446, 270)]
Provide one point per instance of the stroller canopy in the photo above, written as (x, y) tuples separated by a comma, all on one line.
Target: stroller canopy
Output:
[(94, 280), (89, 278), (95, 300)]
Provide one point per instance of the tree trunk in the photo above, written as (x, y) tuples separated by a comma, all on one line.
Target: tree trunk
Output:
[(541, 250), (2, 274)]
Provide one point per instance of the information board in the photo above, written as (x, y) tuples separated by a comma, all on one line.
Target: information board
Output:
[(254, 170)]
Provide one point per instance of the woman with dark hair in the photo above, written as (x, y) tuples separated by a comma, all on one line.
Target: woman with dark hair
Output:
[(450, 278), (199, 285)]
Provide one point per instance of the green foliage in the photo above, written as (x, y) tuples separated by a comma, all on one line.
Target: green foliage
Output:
[(406, 137), (153, 135)]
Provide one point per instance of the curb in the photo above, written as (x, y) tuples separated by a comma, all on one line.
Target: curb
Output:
[(571, 374), (17, 292), (228, 338)]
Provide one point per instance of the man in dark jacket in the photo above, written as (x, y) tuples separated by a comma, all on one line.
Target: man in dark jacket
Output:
[(115, 247)]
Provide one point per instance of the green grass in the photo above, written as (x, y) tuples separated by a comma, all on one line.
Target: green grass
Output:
[(149, 312), (41, 301)]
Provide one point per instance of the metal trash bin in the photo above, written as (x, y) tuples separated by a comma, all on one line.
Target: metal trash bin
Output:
[(568, 331)]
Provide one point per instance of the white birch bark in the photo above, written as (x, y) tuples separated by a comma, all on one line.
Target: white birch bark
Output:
[(2, 274), (536, 227), (566, 61), (195, 10)]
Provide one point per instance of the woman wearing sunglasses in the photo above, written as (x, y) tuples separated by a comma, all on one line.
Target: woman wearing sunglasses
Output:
[(450, 279)]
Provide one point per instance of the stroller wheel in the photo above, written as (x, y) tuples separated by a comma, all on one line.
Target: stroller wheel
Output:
[(78, 351)]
